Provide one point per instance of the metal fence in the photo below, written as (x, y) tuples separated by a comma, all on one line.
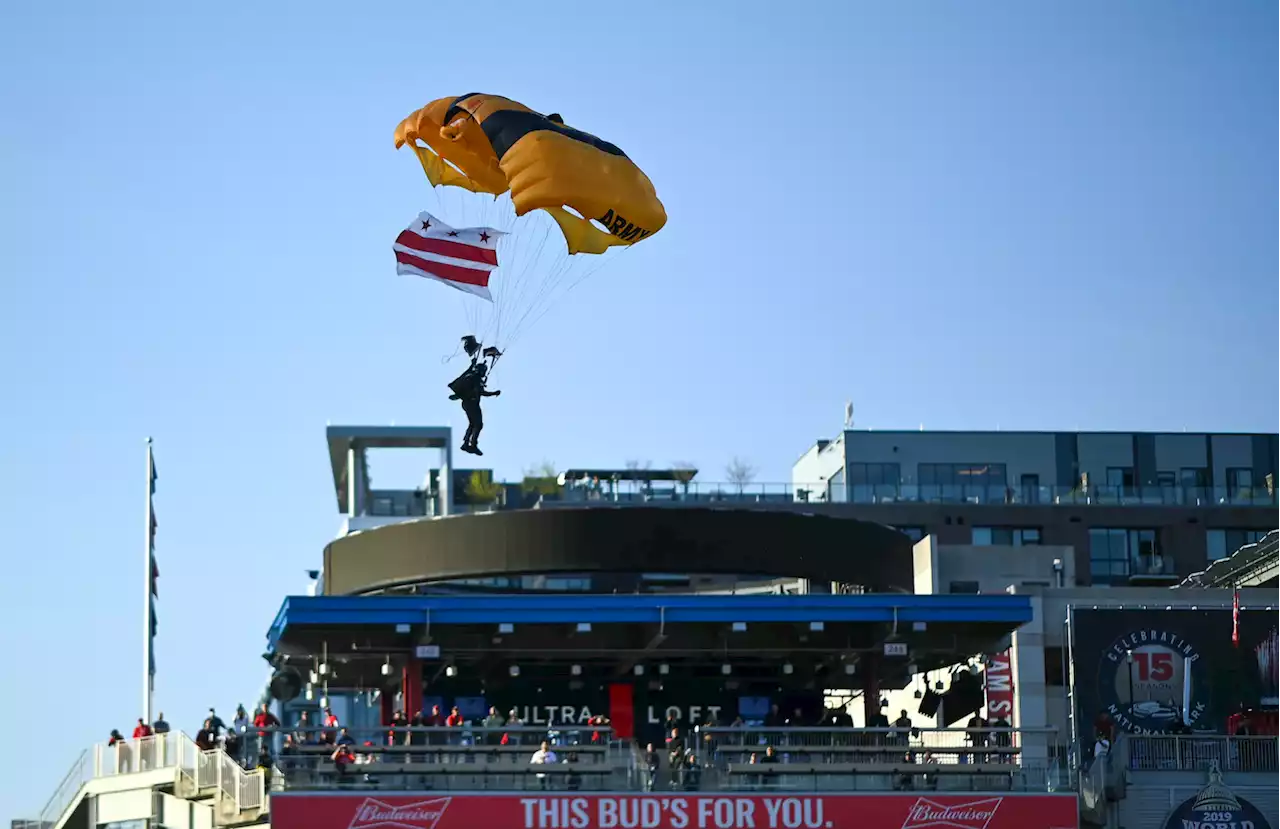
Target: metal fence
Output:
[(1197, 752)]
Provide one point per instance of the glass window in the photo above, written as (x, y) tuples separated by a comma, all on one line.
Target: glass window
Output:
[(962, 474), (1005, 536), (1115, 554), (1194, 477), (1119, 478), (874, 474), (1239, 480), (1222, 543), (1166, 478)]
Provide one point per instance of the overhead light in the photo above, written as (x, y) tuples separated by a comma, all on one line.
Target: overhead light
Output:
[(664, 669), (324, 702), (386, 667), (817, 626), (308, 693), (849, 667), (739, 627), (787, 668), (576, 670), (726, 669), (639, 670), (450, 671), (584, 627), (514, 670), (324, 668), (313, 677)]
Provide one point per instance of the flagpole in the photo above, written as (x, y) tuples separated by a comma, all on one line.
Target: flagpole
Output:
[(147, 554)]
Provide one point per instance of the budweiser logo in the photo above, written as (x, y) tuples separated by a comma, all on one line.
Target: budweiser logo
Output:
[(929, 814), (423, 814)]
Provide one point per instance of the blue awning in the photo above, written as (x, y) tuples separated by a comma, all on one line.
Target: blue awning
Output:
[(300, 612)]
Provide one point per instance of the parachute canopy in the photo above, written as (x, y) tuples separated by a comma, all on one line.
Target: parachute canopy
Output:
[(490, 144)]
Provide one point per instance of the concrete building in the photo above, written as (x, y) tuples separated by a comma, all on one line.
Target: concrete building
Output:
[(1136, 508)]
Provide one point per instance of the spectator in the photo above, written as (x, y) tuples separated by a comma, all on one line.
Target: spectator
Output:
[(342, 759), (161, 727), (492, 724), (902, 728), (543, 756), (288, 754), (216, 723), (262, 720), (207, 736), (774, 718), (330, 723), (454, 720), (141, 730), (769, 756), (264, 763), (514, 723), (398, 733), (345, 738), (303, 736), (651, 764), (1101, 746), (598, 721), (123, 756), (241, 722), (675, 757), (692, 773), (976, 737), (233, 745)]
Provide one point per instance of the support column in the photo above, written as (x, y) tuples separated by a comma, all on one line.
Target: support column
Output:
[(870, 664), (1030, 700), (353, 477), (411, 686), (386, 707)]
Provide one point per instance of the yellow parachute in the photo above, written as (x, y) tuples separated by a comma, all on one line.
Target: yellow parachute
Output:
[(490, 144)]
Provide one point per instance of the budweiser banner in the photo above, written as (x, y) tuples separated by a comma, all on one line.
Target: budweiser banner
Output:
[(781, 811)]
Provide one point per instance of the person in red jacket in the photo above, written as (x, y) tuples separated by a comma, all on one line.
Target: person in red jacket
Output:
[(141, 730), (454, 720), (264, 719)]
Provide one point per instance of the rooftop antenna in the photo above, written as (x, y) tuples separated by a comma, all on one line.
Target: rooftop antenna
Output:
[(848, 415), (922, 427)]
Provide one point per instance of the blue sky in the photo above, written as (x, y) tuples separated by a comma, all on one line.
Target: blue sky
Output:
[(1048, 215)]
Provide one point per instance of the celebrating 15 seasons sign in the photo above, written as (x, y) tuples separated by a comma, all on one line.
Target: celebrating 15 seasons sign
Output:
[(1162, 671)]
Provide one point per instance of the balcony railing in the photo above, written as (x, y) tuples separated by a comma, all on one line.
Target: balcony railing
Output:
[(819, 493), (471, 758)]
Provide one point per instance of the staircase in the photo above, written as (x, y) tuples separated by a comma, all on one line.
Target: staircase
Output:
[(209, 786)]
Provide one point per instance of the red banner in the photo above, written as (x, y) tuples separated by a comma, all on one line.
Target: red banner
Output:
[(999, 687), (658, 811)]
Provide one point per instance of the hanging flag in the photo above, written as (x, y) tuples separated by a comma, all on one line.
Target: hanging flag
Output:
[(461, 258), (1235, 618), (153, 569)]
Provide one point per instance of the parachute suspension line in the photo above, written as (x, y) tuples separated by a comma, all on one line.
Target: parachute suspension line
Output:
[(588, 274)]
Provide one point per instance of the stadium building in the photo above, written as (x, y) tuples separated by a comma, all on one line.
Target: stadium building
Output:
[(1021, 630)]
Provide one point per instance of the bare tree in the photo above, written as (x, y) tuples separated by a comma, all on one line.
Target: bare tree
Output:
[(740, 472)]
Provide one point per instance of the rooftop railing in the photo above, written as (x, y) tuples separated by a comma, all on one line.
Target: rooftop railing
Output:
[(1170, 496)]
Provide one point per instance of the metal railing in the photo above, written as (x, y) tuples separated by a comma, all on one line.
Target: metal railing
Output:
[(207, 770), (921, 493), (588, 759), (1197, 752), (925, 745)]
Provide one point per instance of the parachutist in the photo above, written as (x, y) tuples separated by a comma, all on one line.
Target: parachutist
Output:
[(469, 388)]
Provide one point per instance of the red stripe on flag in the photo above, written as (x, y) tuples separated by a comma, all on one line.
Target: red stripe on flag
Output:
[(443, 247), (453, 273)]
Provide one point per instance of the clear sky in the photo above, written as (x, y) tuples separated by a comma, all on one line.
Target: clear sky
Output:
[(980, 214)]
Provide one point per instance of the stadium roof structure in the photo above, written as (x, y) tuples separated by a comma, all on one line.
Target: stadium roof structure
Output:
[(1253, 565), (484, 635)]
